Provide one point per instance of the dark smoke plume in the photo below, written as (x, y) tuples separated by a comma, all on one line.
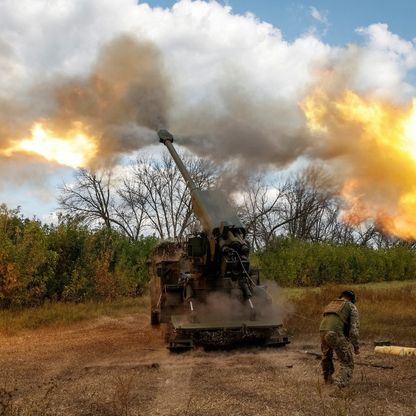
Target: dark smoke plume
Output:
[(244, 128), (121, 102), (126, 95)]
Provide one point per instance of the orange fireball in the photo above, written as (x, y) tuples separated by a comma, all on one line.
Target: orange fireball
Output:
[(374, 142), (75, 148)]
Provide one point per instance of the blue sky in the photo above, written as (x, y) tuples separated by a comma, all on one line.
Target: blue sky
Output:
[(294, 17)]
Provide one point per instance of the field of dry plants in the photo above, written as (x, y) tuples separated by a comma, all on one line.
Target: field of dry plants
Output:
[(117, 364)]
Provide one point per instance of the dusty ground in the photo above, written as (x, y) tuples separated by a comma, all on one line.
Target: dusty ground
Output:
[(121, 367)]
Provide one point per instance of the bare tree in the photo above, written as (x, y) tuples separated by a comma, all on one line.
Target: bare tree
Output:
[(339, 231), (130, 210), (153, 198), (88, 197), (93, 199), (260, 211), (378, 238), (158, 188), (310, 206)]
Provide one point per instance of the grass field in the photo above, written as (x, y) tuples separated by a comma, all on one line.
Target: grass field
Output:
[(387, 310), (120, 366), (61, 314)]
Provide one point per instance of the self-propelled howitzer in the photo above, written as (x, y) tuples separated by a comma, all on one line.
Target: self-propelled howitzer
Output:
[(205, 289)]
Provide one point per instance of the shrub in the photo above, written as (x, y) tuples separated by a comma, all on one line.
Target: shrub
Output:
[(67, 262), (292, 262)]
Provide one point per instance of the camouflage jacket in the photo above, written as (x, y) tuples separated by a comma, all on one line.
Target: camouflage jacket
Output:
[(347, 322)]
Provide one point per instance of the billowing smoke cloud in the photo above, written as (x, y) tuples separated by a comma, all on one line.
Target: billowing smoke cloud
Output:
[(236, 83), (265, 123), (126, 93), (221, 307), (121, 102), (228, 86)]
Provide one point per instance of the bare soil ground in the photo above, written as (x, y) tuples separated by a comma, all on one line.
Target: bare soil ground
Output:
[(120, 366)]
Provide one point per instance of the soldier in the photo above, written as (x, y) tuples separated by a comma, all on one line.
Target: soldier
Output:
[(339, 327)]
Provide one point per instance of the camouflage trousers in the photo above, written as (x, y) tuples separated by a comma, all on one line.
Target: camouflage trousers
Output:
[(330, 342)]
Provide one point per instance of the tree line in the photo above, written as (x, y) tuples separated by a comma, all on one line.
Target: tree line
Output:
[(294, 262), (67, 261), (108, 224), (151, 198)]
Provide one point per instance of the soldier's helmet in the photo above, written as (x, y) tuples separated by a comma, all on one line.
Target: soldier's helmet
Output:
[(349, 294)]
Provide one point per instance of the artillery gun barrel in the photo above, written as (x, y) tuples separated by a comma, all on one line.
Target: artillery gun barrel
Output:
[(210, 206), (167, 139)]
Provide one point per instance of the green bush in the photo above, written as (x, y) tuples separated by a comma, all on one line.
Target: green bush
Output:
[(292, 262), (67, 262), (26, 263)]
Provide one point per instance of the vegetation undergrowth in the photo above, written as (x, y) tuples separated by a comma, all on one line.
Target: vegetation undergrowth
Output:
[(294, 262)]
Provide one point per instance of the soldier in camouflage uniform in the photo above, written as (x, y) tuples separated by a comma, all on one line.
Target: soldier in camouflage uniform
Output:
[(340, 327)]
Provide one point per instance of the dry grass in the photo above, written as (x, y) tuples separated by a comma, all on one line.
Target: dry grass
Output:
[(386, 310), (61, 314), (43, 406), (120, 367)]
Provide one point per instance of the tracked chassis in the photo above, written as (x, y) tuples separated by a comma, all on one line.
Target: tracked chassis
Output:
[(185, 335)]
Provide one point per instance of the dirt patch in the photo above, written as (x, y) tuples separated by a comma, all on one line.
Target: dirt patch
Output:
[(121, 367)]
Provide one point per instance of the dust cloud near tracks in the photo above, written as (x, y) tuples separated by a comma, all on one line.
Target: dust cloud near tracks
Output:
[(121, 367)]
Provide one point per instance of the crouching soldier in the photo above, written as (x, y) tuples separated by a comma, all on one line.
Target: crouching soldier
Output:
[(339, 327)]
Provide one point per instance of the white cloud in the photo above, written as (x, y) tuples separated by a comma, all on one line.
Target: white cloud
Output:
[(385, 61), (320, 16), (321, 20)]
